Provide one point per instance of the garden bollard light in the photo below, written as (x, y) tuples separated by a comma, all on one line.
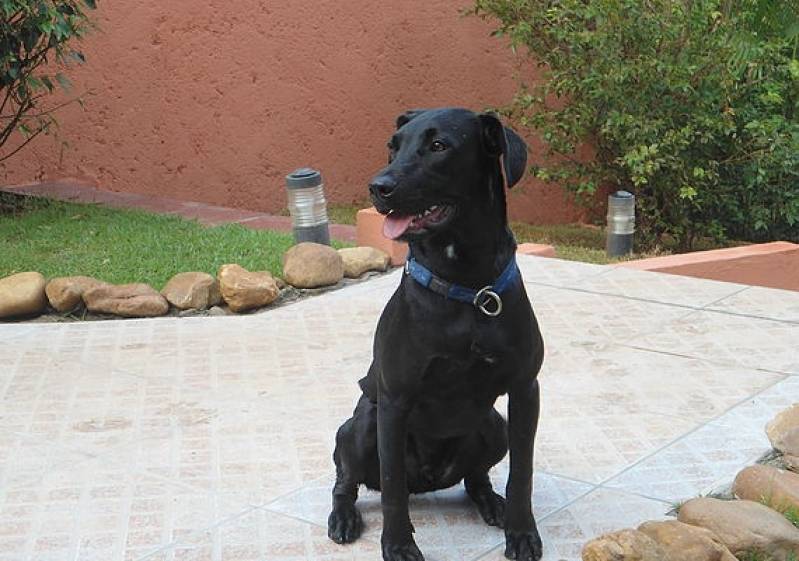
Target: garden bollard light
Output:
[(621, 224), (307, 206)]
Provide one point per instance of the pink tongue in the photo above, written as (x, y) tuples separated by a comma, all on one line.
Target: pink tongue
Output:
[(395, 225)]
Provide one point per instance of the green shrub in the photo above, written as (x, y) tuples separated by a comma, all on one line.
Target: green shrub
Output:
[(683, 102), (35, 39)]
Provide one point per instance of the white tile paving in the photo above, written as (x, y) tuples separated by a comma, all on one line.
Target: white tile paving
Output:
[(658, 287), (604, 510), (184, 438), (767, 303), (724, 338), (710, 457)]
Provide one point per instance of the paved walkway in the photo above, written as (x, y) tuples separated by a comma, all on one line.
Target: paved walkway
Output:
[(210, 215), (210, 438)]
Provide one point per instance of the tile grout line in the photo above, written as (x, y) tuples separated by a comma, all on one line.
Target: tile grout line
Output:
[(561, 508), (314, 524), (736, 293), (665, 502), (592, 487), (622, 297), (707, 308), (714, 361), (483, 555), (698, 308), (282, 496), (570, 503), (566, 477), (750, 316), (604, 482), (577, 288), (177, 543)]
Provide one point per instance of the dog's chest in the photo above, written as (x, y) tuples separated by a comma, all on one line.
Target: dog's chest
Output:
[(457, 393), (475, 371)]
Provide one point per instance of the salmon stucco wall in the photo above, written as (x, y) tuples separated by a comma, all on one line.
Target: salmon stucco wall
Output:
[(216, 101)]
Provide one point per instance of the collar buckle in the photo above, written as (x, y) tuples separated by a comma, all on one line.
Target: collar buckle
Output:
[(488, 301)]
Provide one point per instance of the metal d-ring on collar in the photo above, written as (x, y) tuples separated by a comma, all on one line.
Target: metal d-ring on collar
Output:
[(483, 297), (486, 299)]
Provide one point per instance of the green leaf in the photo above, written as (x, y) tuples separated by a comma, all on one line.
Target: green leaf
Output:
[(64, 82), (793, 68)]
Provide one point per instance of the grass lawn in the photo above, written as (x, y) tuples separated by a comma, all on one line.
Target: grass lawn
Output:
[(572, 241), (122, 246), (575, 242)]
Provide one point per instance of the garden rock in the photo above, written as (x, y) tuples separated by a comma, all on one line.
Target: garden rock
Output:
[(744, 526), (358, 260), (783, 431), (198, 291), (66, 293), (777, 488), (624, 545), (312, 265), (127, 300), (684, 542), (22, 294), (245, 290)]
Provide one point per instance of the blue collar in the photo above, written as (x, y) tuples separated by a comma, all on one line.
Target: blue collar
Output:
[(486, 299)]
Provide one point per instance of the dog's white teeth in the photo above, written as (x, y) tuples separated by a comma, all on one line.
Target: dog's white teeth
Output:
[(432, 208)]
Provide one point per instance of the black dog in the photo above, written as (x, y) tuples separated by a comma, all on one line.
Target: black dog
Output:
[(457, 333)]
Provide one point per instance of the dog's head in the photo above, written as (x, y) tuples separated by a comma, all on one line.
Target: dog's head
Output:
[(442, 161)]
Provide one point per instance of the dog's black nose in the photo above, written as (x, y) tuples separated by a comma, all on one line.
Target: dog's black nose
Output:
[(382, 186)]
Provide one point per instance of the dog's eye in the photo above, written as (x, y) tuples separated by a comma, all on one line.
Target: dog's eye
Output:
[(438, 146)]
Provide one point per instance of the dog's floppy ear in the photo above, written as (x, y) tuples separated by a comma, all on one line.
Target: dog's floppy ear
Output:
[(408, 116), (502, 141)]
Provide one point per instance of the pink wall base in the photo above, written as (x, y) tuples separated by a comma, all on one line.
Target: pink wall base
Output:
[(774, 265)]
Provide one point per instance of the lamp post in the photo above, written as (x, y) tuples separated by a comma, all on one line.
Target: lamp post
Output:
[(621, 224), (307, 206)]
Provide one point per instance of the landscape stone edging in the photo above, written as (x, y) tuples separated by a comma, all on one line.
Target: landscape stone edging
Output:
[(778, 494), (69, 296)]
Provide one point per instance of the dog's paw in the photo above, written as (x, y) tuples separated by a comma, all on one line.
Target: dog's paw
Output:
[(492, 508), (344, 525), (402, 552), (523, 546)]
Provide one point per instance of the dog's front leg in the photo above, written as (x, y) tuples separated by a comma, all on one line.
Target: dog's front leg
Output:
[(392, 428), (522, 541)]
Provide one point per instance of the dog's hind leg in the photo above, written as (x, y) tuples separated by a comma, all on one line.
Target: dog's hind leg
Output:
[(356, 446), (492, 441)]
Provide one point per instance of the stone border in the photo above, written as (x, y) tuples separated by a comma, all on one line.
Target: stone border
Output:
[(758, 519), (308, 269), (288, 295)]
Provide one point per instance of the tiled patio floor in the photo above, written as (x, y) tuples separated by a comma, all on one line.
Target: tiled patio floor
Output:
[(210, 438)]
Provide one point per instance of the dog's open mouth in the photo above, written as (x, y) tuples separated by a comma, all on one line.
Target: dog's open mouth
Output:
[(397, 224)]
